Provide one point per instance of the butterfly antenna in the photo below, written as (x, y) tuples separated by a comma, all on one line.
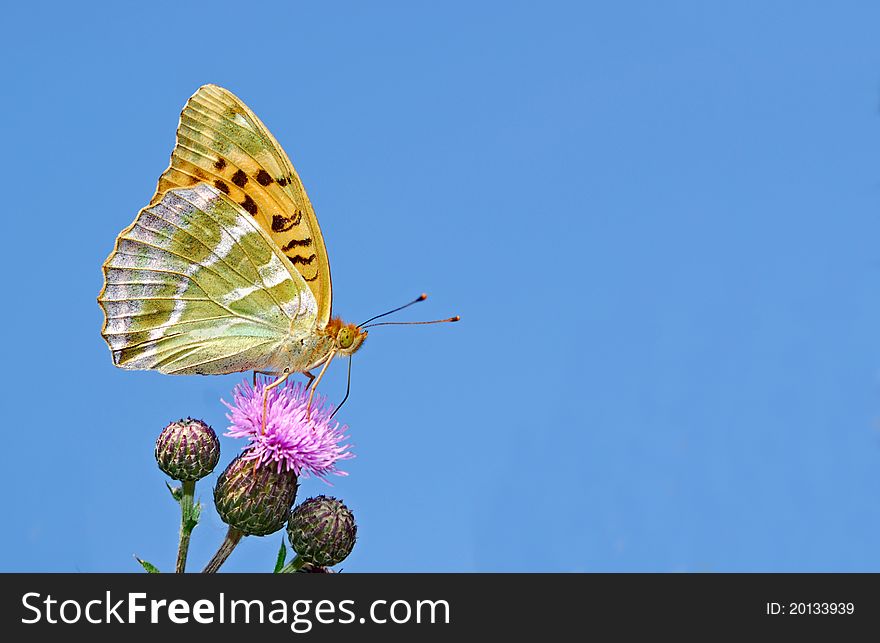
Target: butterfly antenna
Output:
[(347, 390), (415, 323), (421, 297)]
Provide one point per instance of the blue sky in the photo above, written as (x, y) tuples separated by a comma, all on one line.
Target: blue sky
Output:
[(658, 221)]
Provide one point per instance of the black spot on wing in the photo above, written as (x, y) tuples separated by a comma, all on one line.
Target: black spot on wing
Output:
[(281, 223), (263, 178), (221, 185), (249, 205), (239, 178), (295, 259), (297, 243), (220, 164)]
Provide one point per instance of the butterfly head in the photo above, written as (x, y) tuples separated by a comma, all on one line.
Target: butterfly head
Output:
[(347, 338)]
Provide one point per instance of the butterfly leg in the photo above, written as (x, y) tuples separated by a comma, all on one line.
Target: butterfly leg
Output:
[(317, 381), (277, 382), (311, 379), (261, 373)]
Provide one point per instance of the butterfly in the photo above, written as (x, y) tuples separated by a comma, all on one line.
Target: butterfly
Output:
[(226, 269)]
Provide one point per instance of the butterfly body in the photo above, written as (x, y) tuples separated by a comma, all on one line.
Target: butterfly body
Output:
[(225, 270), (303, 353)]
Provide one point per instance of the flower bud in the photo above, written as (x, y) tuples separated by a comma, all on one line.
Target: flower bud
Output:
[(187, 450), (252, 498), (322, 531)]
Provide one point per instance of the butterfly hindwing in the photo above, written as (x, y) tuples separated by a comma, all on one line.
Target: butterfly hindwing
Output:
[(194, 285), (222, 143)]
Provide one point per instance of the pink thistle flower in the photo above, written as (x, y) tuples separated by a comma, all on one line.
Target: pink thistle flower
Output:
[(291, 442)]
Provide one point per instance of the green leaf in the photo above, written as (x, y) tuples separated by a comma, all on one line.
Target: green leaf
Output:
[(176, 492), (190, 515), (282, 555), (149, 567), (196, 513)]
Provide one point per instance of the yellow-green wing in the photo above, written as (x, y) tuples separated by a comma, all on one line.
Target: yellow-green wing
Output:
[(221, 142), (195, 286)]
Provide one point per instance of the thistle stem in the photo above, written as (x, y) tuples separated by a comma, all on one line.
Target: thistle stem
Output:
[(188, 521), (293, 566), (226, 547)]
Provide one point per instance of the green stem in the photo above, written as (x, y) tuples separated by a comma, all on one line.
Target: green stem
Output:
[(187, 523), (226, 547), (293, 565)]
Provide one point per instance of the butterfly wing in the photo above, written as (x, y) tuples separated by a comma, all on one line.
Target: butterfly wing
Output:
[(221, 142), (194, 285)]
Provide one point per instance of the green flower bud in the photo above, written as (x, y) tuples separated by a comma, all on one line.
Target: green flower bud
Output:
[(322, 531), (254, 499), (187, 450)]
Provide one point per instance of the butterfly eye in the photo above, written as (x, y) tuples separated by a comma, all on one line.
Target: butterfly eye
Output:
[(345, 337)]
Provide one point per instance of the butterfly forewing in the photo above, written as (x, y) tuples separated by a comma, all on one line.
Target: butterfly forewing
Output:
[(221, 142), (194, 285)]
